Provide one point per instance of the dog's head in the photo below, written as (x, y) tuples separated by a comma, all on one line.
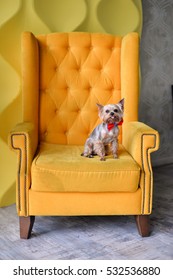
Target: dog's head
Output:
[(111, 113)]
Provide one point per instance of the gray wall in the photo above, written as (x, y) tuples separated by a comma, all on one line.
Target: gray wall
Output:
[(156, 56)]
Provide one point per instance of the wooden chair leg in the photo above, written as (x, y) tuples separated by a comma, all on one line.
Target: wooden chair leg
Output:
[(26, 225), (142, 222)]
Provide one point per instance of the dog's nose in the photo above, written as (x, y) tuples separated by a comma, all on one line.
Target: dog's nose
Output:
[(112, 113)]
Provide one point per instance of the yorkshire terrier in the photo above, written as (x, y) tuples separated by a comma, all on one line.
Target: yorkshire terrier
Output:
[(106, 133)]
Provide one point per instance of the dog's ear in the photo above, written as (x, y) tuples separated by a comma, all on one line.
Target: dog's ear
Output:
[(100, 107), (121, 103)]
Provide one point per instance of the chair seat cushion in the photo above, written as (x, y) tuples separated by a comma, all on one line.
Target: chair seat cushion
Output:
[(61, 168)]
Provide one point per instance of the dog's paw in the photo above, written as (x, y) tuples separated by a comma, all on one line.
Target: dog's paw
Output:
[(102, 159), (115, 156), (86, 155)]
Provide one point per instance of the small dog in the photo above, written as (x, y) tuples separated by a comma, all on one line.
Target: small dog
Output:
[(105, 133)]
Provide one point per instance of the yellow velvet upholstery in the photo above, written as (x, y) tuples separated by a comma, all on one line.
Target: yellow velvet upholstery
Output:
[(60, 168), (64, 76), (76, 73)]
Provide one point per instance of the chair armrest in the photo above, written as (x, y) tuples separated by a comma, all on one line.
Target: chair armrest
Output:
[(138, 136), (26, 130), (140, 141), (24, 140)]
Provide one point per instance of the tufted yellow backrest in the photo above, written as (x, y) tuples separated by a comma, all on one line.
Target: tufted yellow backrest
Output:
[(76, 71)]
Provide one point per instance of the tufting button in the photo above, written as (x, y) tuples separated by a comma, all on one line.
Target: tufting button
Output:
[(89, 88), (44, 90)]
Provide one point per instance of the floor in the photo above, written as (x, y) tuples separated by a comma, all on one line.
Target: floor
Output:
[(73, 238)]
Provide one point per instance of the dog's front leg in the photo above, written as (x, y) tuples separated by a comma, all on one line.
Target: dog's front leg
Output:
[(114, 148), (88, 149), (99, 149)]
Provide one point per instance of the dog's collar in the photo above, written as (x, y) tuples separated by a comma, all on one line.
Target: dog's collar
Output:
[(112, 125)]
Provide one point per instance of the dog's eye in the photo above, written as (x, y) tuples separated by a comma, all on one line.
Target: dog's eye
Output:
[(107, 111), (116, 110)]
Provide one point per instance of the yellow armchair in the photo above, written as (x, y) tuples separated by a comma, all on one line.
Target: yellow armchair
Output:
[(64, 75)]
